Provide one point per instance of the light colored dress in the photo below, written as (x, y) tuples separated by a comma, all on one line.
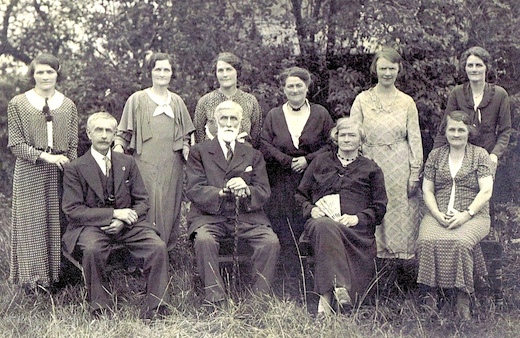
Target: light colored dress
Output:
[(452, 258), (394, 143), (36, 230), (157, 142)]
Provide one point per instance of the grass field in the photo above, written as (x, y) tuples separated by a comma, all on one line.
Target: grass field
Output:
[(283, 315)]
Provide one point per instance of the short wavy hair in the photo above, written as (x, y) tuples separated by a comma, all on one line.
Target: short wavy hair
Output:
[(391, 55), (152, 58), (230, 58), (44, 59), (343, 123), (482, 54), (299, 72), (459, 116), (100, 116)]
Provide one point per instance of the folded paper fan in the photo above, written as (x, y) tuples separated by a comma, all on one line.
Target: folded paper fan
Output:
[(330, 205)]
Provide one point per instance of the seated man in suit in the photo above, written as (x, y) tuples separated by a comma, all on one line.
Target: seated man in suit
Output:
[(222, 172), (105, 202)]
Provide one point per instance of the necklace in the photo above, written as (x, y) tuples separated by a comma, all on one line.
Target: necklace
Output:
[(345, 161), (379, 104), (297, 109)]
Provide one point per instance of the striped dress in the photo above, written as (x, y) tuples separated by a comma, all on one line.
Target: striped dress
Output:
[(36, 237)]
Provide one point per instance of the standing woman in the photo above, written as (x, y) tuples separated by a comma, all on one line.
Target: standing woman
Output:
[(391, 121), (43, 135), (293, 135), (155, 127), (227, 68), (486, 104)]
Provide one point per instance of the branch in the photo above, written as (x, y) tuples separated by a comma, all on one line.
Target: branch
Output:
[(5, 46)]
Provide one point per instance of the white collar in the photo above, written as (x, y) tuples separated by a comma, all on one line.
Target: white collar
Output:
[(100, 158), (163, 107), (223, 145), (37, 101)]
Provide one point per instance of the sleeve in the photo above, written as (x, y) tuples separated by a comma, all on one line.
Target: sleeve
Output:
[(271, 153), (125, 129), (200, 119), (429, 166), (256, 123), (483, 164), (72, 132), (303, 195), (356, 111), (259, 185), (74, 204), (414, 142), (17, 142), (503, 126), (198, 190), (374, 213), (138, 192), (327, 125)]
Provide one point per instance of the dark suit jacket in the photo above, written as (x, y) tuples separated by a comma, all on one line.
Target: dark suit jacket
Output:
[(83, 200), (208, 171)]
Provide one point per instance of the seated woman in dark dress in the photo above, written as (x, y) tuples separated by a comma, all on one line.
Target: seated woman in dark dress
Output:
[(344, 198)]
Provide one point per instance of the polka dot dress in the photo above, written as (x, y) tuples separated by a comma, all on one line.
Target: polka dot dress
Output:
[(36, 237)]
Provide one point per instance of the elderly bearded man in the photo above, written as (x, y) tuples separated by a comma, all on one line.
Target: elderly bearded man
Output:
[(220, 171)]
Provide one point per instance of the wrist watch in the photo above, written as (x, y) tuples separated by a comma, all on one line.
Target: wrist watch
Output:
[(470, 212)]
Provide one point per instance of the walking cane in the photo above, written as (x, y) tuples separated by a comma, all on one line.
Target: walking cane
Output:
[(235, 272)]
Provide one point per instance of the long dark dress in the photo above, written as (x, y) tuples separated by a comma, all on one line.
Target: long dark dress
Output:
[(279, 150), (36, 228), (344, 255)]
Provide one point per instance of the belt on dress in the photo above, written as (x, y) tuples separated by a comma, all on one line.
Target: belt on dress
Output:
[(50, 150), (368, 144)]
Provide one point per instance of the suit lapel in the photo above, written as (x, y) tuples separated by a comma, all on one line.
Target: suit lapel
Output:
[(89, 171), (238, 157), (217, 155), (118, 169)]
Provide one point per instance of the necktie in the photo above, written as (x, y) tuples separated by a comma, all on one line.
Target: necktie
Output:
[(108, 165), (229, 154), (46, 110)]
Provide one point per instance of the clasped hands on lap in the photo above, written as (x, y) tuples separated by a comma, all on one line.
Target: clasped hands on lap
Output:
[(453, 219), (120, 217), (236, 187), (345, 219)]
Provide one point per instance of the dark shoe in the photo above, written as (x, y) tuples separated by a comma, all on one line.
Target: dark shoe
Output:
[(159, 313)]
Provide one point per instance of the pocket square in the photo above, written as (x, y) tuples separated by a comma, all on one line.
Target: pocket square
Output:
[(248, 169)]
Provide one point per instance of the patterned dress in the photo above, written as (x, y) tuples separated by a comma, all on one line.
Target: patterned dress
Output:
[(36, 232), (394, 143), (156, 143), (204, 120), (447, 257)]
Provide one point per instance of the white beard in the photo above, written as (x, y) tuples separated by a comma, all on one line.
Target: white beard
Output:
[(228, 135)]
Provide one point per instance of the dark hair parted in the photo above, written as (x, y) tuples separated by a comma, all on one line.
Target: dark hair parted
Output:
[(482, 54), (391, 55), (459, 116), (298, 72), (44, 59), (230, 58), (343, 123), (151, 60)]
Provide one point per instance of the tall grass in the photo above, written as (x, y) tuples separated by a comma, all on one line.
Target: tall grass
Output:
[(284, 314)]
